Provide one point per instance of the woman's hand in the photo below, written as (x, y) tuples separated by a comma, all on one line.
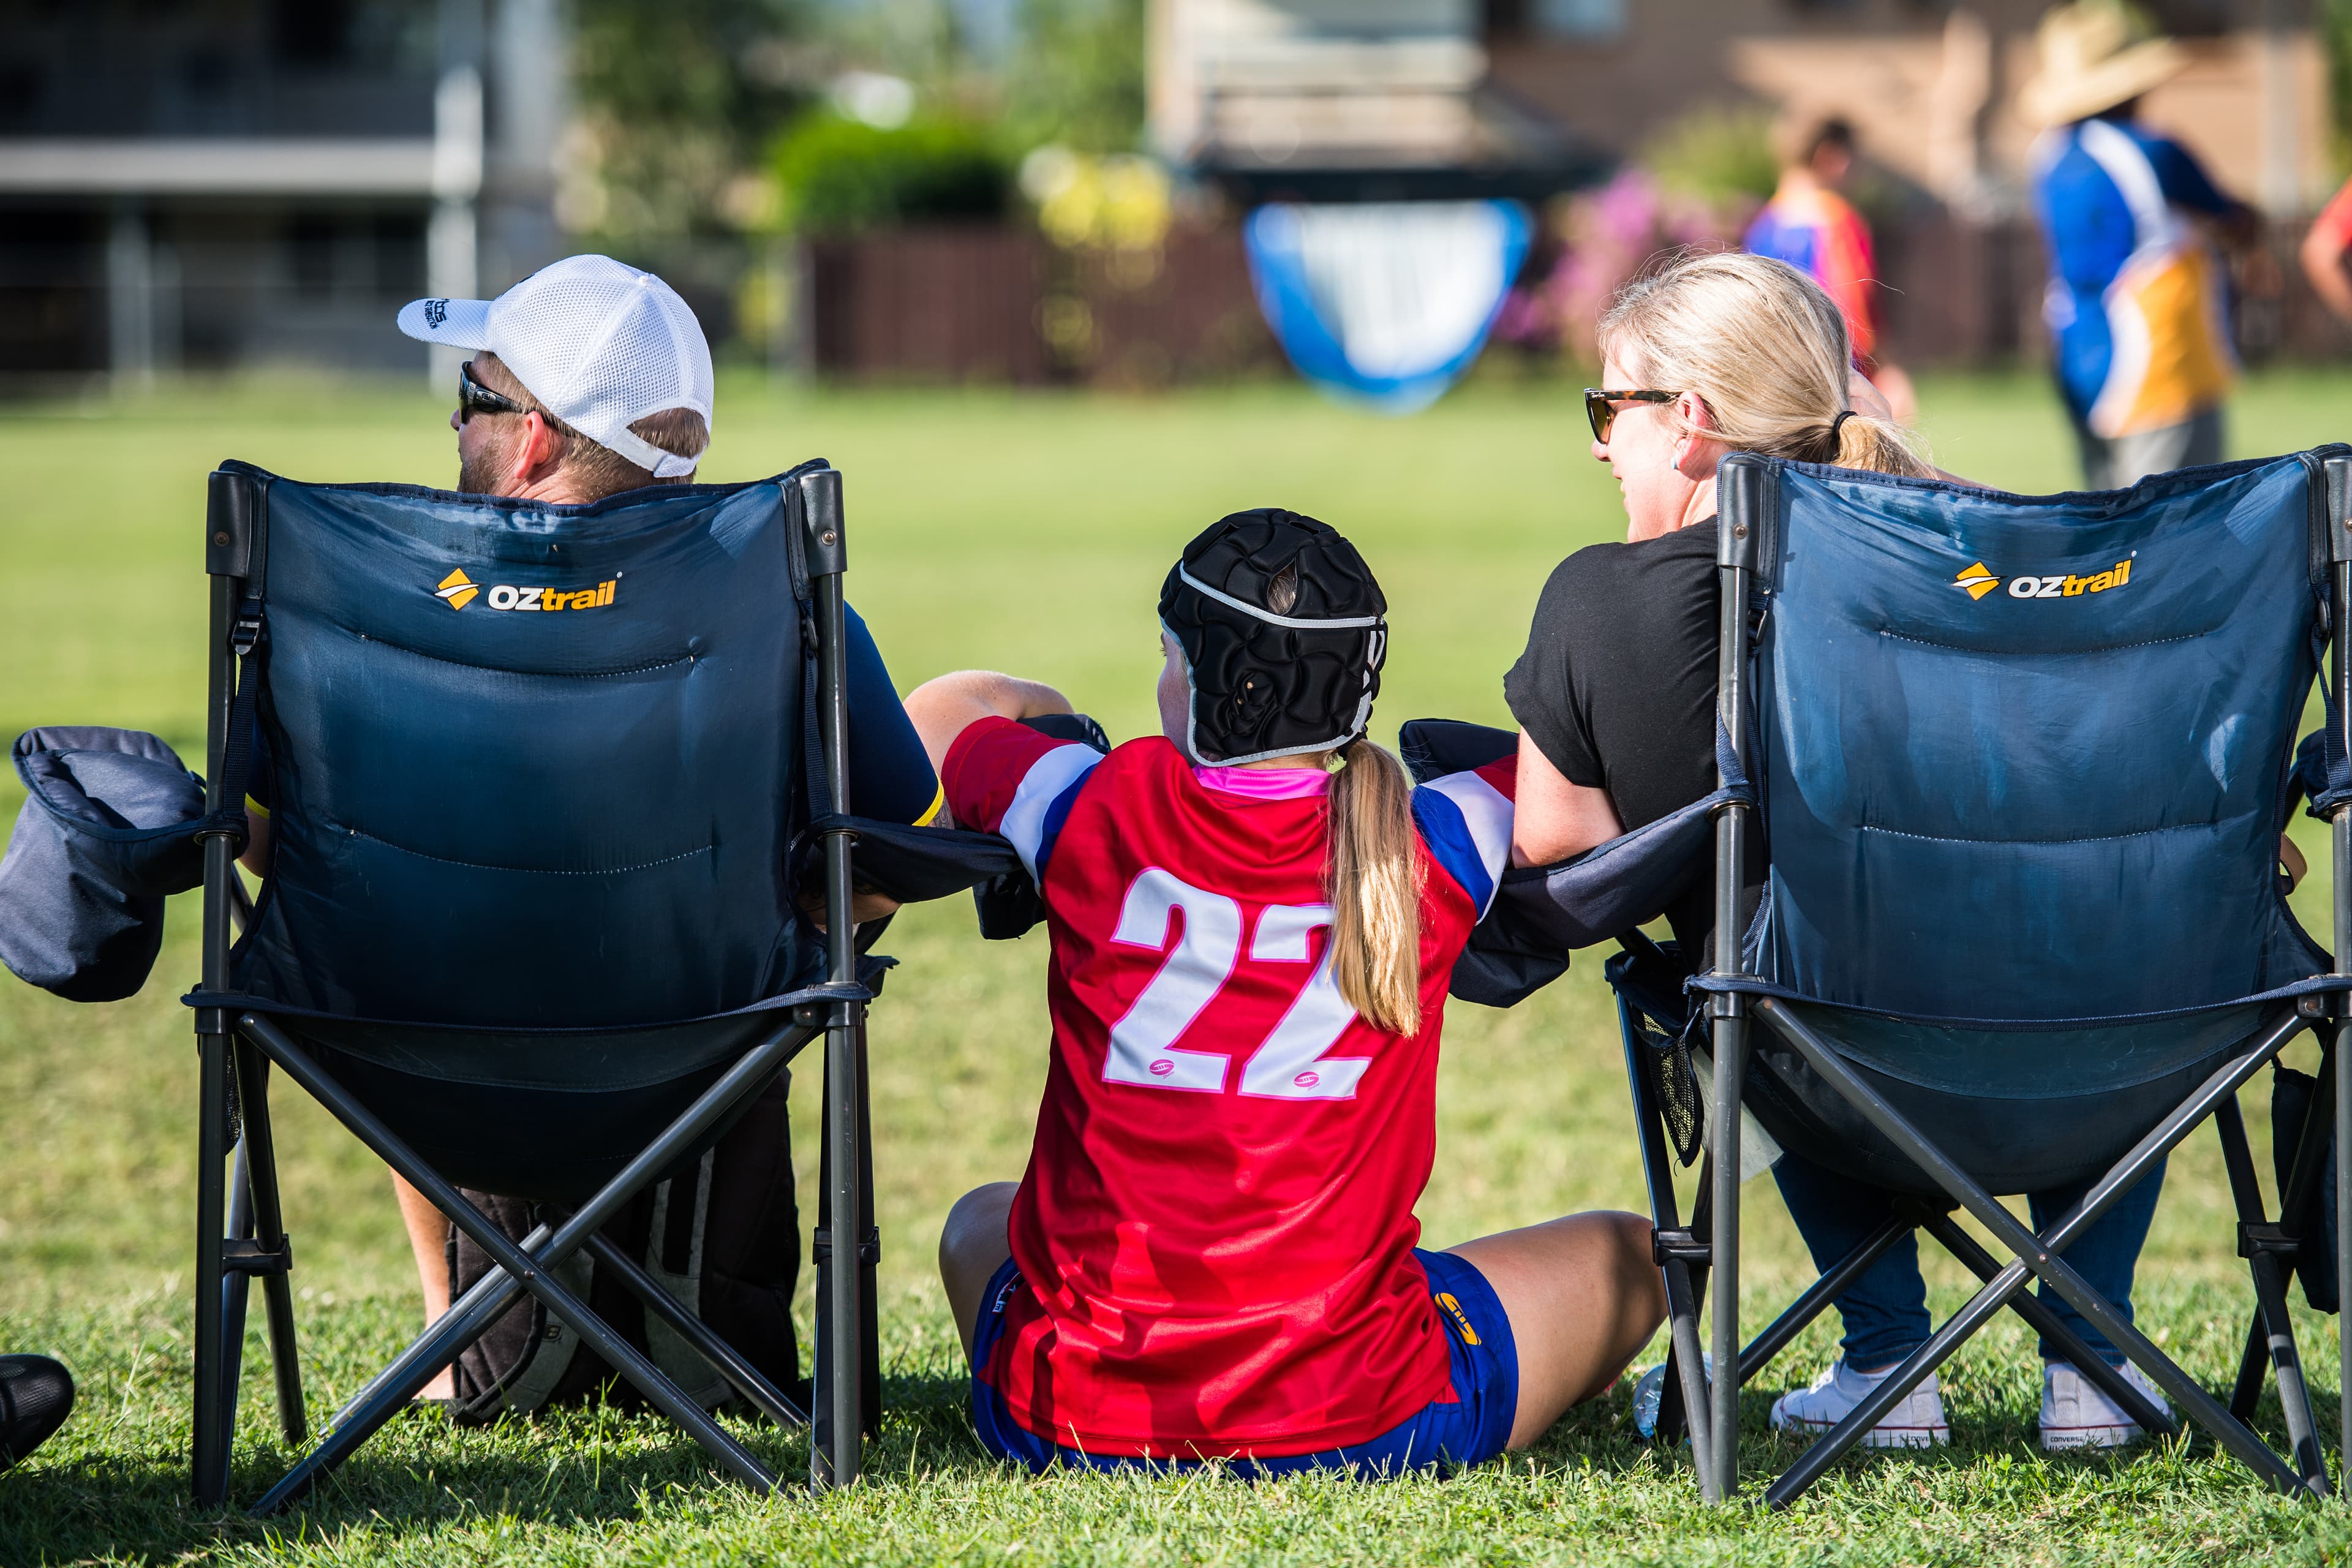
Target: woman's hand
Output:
[(944, 707)]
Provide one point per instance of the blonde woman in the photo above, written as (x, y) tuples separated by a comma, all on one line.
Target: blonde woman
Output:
[(1252, 916), (1616, 699)]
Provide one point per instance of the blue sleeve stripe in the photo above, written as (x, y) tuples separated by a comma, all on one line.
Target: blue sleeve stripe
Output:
[(1042, 800), (1050, 831), (1451, 845)]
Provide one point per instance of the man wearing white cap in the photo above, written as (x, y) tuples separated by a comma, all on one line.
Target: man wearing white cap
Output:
[(607, 367), (589, 378)]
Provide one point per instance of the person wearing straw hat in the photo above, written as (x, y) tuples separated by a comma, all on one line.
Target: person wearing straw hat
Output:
[(2136, 302)]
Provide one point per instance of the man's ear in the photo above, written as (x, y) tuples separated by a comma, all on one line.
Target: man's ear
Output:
[(539, 451)]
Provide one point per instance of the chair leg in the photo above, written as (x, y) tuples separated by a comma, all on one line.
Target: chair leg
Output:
[(838, 1422), (259, 1149), (525, 1271), (2257, 1239), (236, 1289), (1730, 1042), (869, 1251), (2253, 1370), (208, 1471), (2042, 1254), (2342, 1239), (1682, 1403)]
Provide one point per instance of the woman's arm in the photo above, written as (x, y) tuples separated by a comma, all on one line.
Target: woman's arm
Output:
[(1552, 819), (944, 707)]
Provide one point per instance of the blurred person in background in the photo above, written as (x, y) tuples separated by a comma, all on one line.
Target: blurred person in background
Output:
[(2324, 250), (2137, 301), (1809, 225), (37, 1394)]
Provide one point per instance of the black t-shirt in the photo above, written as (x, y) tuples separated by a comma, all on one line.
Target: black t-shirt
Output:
[(1617, 684)]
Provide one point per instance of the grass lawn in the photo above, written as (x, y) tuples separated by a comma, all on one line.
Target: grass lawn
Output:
[(1029, 534)]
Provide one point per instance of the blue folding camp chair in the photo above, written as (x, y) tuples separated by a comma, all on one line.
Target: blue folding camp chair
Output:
[(2020, 767), (545, 780)]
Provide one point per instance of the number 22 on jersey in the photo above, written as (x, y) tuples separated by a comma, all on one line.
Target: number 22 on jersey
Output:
[(1288, 1064)]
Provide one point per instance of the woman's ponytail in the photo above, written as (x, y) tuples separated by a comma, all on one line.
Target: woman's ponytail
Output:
[(1375, 892), (1860, 441)]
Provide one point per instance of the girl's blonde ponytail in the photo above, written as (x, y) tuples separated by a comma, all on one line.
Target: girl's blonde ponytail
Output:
[(1375, 890)]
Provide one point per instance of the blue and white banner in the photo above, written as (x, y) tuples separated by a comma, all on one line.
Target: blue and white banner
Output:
[(1385, 302)]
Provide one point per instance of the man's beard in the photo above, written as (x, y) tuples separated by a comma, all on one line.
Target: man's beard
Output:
[(479, 475)]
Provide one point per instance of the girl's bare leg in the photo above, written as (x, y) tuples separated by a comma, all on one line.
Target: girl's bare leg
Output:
[(1583, 1296)]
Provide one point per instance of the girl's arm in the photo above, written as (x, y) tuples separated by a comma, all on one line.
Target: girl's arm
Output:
[(944, 707)]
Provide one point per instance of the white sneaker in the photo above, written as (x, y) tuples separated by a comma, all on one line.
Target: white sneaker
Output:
[(1916, 1422), (2077, 1414)]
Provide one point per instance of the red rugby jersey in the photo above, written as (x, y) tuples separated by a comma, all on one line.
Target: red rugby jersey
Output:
[(1216, 1225)]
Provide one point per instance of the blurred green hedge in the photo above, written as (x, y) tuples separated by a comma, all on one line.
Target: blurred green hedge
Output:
[(837, 174)]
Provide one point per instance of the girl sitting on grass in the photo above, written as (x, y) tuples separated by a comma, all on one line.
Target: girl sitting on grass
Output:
[(1253, 917)]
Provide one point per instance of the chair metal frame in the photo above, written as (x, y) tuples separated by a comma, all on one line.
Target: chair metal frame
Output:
[(1708, 1407), (237, 1166)]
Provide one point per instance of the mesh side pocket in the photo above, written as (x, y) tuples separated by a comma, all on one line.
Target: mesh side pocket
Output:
[(1674, 1081)]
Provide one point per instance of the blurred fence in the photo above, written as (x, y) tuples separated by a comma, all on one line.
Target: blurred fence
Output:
[(1001, 304), (981, 304)]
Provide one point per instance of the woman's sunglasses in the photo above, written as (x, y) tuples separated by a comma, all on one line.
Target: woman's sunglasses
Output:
[(474, 398), (1601, 407)]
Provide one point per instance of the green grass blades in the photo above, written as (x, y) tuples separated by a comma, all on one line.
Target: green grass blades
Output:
[(1026, 532)]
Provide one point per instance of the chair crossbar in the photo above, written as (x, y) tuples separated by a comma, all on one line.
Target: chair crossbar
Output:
[(527, 1269), (1818, 1296), (2034, 1255), (725, 1359), (466, 1320), (2040, 1317)]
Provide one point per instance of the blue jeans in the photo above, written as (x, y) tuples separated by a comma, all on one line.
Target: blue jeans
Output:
[(1885, 1311)]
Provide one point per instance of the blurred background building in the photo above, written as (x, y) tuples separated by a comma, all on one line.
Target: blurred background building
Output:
[(1030, 190), (264, 181)]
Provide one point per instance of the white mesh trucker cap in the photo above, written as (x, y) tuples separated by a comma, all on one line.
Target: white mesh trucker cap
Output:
[(601, 344)]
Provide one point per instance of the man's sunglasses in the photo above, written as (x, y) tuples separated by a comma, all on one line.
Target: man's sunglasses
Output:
[(474, 398), (1601, 407)]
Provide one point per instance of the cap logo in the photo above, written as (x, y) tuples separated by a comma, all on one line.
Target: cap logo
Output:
[(435, 311)]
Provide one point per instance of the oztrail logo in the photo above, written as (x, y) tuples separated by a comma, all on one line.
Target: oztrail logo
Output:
[(1978, 580), (457, 591)]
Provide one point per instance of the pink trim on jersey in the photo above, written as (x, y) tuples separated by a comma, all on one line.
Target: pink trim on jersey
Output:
[(1264, 784)]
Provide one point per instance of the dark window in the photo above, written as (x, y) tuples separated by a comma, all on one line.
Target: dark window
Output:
[(400, 254), (311, 32), (310, 244)]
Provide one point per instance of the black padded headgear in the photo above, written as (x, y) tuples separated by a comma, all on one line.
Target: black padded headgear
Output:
[(1270, 682)]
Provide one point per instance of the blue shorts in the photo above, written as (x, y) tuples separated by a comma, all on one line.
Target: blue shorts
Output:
[(1470, 1429)]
